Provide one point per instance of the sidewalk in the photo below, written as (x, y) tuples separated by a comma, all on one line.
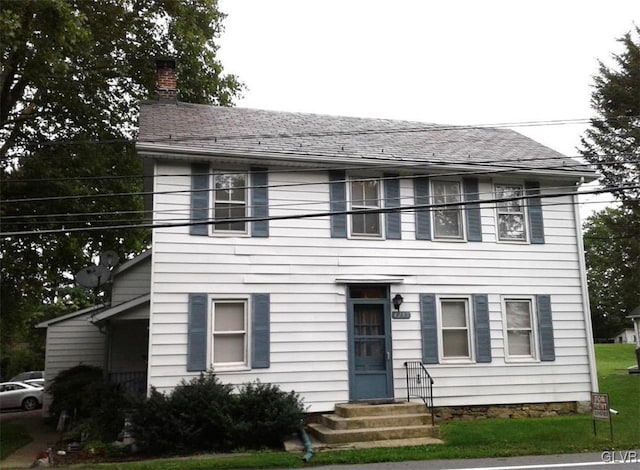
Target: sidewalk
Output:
[(43, 438)]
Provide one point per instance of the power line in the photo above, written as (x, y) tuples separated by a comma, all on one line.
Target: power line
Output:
[(419, 127), (245, 187), (413, 207)]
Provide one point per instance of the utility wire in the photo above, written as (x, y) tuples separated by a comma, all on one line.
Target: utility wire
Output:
[(419, 127), (500, 169), (62, 217), (413, 207)]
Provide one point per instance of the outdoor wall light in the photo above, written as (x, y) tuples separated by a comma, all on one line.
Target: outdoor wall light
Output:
[(397, 301)]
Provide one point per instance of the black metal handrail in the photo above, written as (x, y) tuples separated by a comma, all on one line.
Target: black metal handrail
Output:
[(134, 382), (419, 384)]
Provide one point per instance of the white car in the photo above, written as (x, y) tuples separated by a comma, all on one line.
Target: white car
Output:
[(20, 395)]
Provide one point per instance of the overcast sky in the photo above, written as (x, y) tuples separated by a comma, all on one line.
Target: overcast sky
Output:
[(444, 61)]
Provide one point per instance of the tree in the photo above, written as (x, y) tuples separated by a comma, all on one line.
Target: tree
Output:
[(612, 145), (612, 251), (72, 73)]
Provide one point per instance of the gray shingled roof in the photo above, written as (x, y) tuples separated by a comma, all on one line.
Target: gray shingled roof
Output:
[(212, 130)]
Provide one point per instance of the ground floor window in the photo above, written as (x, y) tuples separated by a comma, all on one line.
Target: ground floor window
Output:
[(519, 327), (455, 329), (229, 345)]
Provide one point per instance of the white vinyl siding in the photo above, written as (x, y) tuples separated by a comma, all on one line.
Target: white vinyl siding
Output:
[(511, 214), (298, 266), (133, 280), (365, 194), (69, 343), (447, 221)]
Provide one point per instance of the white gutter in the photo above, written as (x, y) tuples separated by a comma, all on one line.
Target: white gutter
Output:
[(172, 151)]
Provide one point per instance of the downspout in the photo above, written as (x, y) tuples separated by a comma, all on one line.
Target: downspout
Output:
[(107, 350), (585, 296), (308, 448)]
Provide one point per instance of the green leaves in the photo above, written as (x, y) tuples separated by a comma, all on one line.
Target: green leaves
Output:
[(612, 143), (71, 75), (612, 251)]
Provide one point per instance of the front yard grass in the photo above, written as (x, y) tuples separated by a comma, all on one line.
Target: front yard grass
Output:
[(480, 438), (13, 436)]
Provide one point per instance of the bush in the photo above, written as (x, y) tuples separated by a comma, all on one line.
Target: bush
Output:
[(195, 417), (96, 407), (264, 415), (205, 415), (76, 390)]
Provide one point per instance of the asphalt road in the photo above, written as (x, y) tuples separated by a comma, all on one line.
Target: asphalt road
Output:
[(622, 460)]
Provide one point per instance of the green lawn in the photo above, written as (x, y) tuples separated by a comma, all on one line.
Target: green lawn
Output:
[(12, 437), (481, 438)]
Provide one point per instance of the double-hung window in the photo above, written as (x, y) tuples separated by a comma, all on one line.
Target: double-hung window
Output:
[(229, 344), (456, 342), (447, 220), (365, 195), (519, 328), (511, 215), (229, 202)]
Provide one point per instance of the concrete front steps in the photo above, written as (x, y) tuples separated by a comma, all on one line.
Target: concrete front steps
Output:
[(376, 425)]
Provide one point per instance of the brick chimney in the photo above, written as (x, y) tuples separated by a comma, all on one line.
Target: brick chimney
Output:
[(166, 81)]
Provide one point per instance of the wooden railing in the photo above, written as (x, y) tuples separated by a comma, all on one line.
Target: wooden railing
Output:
[(419, 384)]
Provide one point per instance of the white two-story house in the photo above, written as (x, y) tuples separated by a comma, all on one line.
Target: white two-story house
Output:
[(281, 241), (322, 253)]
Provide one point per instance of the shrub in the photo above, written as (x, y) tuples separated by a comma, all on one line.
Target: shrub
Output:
[(205, 415), (111, 408), (195, 417), (264, 415), (97, 408), (76, 390)]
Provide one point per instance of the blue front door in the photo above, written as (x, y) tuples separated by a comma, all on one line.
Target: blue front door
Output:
[(369, 328)]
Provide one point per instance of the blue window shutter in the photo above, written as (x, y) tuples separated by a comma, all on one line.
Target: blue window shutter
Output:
[(199, 198), (429, 324), (482, 327), (259, 201), (423, 216), (472, 209), (545, 328), (260, 331), (197, 333), (338, 203), (536, 221), (392, 200)]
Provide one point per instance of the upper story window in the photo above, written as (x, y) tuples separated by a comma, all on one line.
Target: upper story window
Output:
[(447, 221), (511, 216), (230, 201), (229, 345), (455, 329), (365, 194)]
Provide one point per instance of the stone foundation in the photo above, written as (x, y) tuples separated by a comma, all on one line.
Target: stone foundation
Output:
[(527, 410)]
